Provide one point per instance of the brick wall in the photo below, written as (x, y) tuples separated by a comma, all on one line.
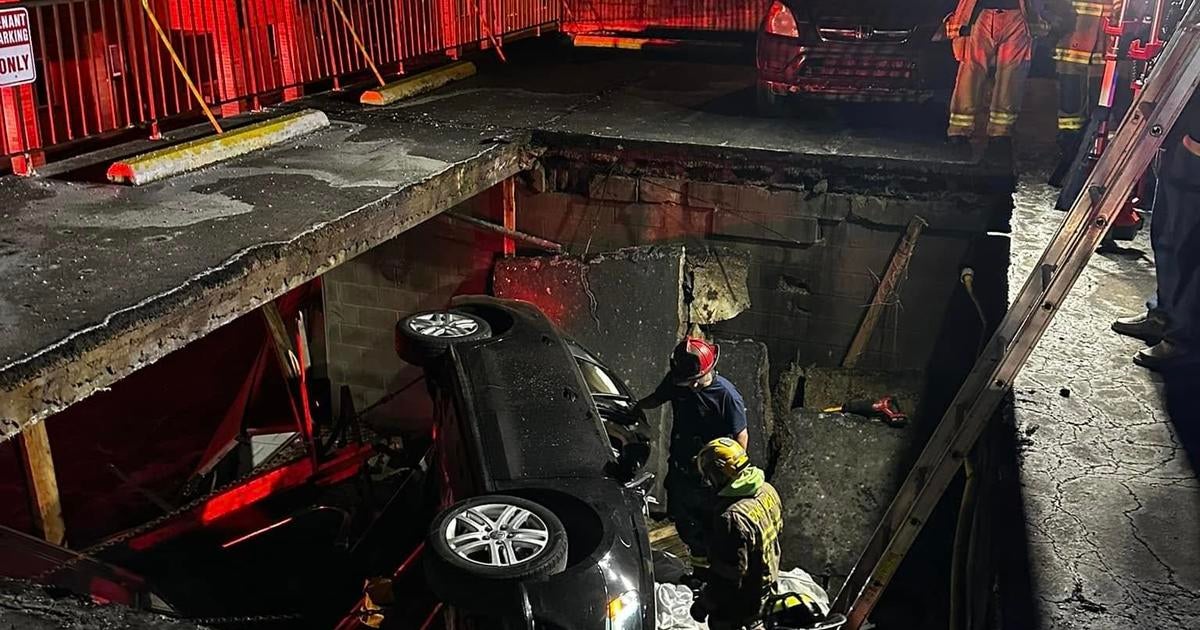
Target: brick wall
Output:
[(418, 270), (816, 254)]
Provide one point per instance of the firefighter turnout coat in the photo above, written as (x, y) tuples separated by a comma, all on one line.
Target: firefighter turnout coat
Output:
[(743, 550)]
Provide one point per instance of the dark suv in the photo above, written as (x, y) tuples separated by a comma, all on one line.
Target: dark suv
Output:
[(538, 451), (863, 50)]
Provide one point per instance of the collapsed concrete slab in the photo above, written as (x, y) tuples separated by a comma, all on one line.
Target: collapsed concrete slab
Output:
[(745, 363), (93, 294), (626, 306), (837, 472)]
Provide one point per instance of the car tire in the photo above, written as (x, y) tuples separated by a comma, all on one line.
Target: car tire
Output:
[(768, 103), (425, 336), (473, 579)]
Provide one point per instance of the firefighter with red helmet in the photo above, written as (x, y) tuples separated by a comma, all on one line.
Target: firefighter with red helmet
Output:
[(705, 406)]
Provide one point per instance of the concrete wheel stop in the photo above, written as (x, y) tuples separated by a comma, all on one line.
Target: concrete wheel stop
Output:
[(194, 154), (418, 84)]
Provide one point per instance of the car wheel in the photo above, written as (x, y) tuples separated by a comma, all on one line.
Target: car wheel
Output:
[(422, 337), (768, 103), (481, 549)]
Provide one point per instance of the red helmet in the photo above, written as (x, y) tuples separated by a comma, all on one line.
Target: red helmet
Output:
[(692, 359)]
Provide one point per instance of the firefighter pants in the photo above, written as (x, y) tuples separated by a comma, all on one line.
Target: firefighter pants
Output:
[(690, 506), (1076, 94), (1000, 39), (1175, 237)]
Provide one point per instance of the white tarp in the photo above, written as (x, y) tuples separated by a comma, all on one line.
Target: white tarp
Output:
[(674, 601)]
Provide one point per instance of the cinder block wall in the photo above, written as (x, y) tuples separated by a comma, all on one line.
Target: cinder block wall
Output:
[(818, 245), (418, 270)]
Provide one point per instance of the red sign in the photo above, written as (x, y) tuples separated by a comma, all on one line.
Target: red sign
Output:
[(16, 48)]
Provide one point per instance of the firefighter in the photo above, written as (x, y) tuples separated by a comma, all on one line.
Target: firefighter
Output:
[(705, 406), (744, 543), (1079, 64), (986, 34), (1172, 324)]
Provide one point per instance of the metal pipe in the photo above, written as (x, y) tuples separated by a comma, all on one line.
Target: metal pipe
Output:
[(488, 226)]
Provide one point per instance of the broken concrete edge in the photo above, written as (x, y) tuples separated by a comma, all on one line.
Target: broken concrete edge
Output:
[(194, 154), (90, 360), (777, 169), (417, 84), (719, 284)]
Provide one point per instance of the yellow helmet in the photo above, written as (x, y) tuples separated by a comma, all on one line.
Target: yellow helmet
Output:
[(721, 460)]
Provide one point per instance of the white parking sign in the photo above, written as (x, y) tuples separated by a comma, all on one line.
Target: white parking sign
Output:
[(16, 48)]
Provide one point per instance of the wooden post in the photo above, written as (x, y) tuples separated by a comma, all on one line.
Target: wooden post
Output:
[(885, 291), (282, 343), (508, 192), (43, 483)]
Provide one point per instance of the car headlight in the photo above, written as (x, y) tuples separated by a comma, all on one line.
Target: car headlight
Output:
[(625, 611)]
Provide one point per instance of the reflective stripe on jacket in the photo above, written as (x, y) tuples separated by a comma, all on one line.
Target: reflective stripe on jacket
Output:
[(1084, 43)]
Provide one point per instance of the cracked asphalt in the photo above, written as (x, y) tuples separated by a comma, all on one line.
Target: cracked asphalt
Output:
[(1107, 473)]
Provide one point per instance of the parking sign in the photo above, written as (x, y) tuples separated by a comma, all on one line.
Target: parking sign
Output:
[(16, 48)]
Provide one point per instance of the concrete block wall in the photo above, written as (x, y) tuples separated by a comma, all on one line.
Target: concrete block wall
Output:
[(816, 253), (418, 270)]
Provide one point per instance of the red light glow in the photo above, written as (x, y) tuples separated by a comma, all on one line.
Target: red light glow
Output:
[(255, 490)]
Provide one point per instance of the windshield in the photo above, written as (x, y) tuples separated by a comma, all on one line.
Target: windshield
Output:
[(599, 382)]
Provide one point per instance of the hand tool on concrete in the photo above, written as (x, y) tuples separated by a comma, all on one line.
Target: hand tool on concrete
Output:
[(885, 409)]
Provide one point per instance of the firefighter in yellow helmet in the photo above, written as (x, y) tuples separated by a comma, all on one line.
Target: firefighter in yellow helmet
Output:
[(743, 538)]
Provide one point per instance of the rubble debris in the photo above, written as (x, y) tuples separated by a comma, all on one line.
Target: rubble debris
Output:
[(719, 284), (27, 606)]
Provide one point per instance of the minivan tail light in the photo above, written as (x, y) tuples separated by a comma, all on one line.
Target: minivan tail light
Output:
[(780, 21)]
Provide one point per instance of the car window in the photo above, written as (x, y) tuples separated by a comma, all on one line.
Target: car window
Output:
[(600, 383)]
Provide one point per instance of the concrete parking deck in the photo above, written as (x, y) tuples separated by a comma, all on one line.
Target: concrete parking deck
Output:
[(100, 280)]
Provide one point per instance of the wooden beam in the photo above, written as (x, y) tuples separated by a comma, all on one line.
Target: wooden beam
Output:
[(508, 192), (282, 343), (885, 291), (43, 483)]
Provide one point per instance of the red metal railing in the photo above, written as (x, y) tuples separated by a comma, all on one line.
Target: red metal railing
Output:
[(102, 67), (637, 15)]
